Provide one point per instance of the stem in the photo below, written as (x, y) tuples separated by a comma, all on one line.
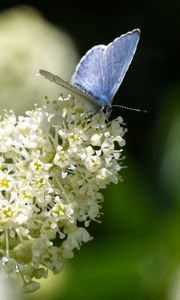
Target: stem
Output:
[(58, 182), (7, 242)]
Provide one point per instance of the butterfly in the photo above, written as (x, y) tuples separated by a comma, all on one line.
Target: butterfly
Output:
[(101, 70)]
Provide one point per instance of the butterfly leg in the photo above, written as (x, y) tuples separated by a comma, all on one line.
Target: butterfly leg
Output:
[(107, 109)]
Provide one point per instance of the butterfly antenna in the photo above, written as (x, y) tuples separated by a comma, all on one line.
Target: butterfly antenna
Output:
[(130, 108)]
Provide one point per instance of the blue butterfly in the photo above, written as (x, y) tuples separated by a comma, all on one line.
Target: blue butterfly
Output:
[(101, 70)]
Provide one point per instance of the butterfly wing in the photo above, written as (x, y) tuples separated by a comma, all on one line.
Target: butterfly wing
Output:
[(88, 75), (117, 59), (69, 87), (102, 69)]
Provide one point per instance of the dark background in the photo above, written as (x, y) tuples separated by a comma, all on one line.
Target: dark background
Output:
[(155, 67), (136, 250)]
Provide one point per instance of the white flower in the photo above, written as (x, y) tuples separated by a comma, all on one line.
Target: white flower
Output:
[(93, 163), (61, 158), (96, 139), (53, 163), (6, 182)]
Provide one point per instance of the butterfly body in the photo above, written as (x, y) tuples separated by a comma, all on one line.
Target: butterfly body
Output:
[(101, 70)]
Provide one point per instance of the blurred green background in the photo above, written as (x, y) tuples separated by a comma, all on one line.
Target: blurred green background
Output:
[(135, 253)]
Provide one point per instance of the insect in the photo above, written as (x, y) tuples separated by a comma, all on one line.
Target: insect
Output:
[(101, 70)]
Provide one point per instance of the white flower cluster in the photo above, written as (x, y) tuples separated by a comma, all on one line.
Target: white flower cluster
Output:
[(53, 163)]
